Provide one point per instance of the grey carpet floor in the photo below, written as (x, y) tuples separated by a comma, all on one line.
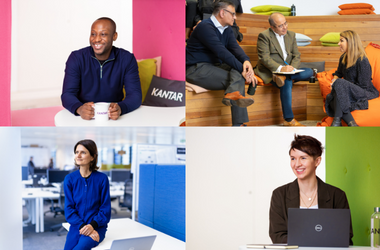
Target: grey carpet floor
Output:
[(49, 240)]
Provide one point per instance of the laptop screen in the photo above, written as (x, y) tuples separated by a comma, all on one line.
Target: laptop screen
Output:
[(319, 227)]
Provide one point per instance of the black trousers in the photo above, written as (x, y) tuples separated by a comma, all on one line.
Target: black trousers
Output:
[(218, 77)]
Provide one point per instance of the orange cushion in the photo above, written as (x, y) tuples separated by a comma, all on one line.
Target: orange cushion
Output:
[(260, 81), (356, 12), (373, 54), (356, 6)]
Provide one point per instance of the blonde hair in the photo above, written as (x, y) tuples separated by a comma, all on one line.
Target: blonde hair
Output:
[(355, 49)]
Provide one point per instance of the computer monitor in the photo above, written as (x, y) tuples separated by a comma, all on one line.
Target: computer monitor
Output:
[(41, 171), (106, 173), (56, 176), (120, 175), (25, 173)]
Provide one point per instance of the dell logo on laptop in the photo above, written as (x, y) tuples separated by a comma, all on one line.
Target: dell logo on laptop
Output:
[(318, 228), (131, 248)]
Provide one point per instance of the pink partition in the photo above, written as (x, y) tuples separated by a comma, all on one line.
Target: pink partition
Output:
[(159, 30), (5, 62)]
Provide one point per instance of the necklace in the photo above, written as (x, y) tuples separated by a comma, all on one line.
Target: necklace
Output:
[(313, 196)]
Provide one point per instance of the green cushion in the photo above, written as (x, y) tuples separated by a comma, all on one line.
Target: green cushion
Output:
[(270, 12), (267, 8), (147, 68), (330, 44), (331, 37)]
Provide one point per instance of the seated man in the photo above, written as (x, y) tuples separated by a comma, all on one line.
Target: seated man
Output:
[(277, 51), (99, 73), (215, 61)]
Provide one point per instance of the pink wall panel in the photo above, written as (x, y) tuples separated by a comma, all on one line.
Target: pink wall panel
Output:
[(159, 30), (5, 62)]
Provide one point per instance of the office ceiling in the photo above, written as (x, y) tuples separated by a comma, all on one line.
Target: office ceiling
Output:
[(103, 136)]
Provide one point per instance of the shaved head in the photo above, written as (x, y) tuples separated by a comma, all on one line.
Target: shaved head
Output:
[(113, 24)]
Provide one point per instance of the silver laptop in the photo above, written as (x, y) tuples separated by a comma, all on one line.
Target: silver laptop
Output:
[(140, 243), (319, 227)]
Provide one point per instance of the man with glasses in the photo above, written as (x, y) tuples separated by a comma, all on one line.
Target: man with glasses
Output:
[(215, 61), (277, 51)]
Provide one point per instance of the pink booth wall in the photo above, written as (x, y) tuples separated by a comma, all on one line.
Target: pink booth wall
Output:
[(159, 30), (5, 62)]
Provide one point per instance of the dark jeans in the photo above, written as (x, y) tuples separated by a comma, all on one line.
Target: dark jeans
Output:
[(286, 91), (218, 77)]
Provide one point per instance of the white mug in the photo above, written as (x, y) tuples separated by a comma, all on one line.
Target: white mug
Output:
[(101, 111)]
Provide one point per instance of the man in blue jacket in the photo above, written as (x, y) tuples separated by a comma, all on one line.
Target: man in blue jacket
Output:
[(215, 61), (99, 72)]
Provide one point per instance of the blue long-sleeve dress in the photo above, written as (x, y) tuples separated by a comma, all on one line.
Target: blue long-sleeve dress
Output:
[(87, 201)]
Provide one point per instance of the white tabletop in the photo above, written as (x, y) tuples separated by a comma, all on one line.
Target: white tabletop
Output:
[(127, 228), (320, 248), (143, 116), (32, 193)]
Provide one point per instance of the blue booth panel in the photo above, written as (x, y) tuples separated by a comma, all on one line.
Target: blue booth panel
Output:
[(162, 198)]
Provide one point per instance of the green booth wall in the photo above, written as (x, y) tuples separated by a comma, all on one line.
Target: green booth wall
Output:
[(353, 165)]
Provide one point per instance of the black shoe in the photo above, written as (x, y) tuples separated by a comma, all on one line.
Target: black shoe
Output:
[(352, 124), (251, 90), (337, 122)]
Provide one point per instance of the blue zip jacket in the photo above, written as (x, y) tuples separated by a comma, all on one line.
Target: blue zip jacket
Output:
[(86, 80), (87, 200)]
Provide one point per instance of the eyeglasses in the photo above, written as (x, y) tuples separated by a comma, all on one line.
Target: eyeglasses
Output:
[(282, 25), (232, 13)]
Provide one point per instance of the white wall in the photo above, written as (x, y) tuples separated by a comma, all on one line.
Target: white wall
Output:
[(309, 8), (230, 176), (10, 189), (43, 35)]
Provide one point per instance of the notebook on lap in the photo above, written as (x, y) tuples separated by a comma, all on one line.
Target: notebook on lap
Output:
[(319, 227), (140, 243)]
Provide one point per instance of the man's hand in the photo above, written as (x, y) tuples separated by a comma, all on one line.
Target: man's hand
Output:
[(87, 230), (287, 68), (86, 111), (247, 71), (95, 236), (114, 111)]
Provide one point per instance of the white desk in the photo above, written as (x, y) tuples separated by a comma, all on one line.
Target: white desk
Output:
[(143, 116), (321, 248), (127, 228), (36, 197)]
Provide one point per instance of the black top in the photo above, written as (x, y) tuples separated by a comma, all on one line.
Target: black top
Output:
[(287, 196)]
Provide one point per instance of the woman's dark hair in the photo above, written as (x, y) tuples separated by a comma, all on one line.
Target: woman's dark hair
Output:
[(307, 144), (91, 147)]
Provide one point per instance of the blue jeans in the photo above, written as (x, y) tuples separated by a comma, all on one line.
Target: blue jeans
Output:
[(286, 91)]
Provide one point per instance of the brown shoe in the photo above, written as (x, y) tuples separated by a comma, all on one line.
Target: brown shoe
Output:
[(236, 99), (293, 122), (279, 80)]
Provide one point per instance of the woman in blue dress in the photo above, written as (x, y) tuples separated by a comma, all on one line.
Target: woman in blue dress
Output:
[(87, 200)]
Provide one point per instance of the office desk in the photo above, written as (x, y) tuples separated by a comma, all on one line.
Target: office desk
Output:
[(36, 198), (321, 248), (143, 116), (127, 228)]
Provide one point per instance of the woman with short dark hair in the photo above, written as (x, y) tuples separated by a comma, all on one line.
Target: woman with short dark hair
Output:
[(352, 85), (307, 191), (87, 199)]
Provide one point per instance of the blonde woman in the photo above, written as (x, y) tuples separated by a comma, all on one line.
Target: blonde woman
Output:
[(352, 85)]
